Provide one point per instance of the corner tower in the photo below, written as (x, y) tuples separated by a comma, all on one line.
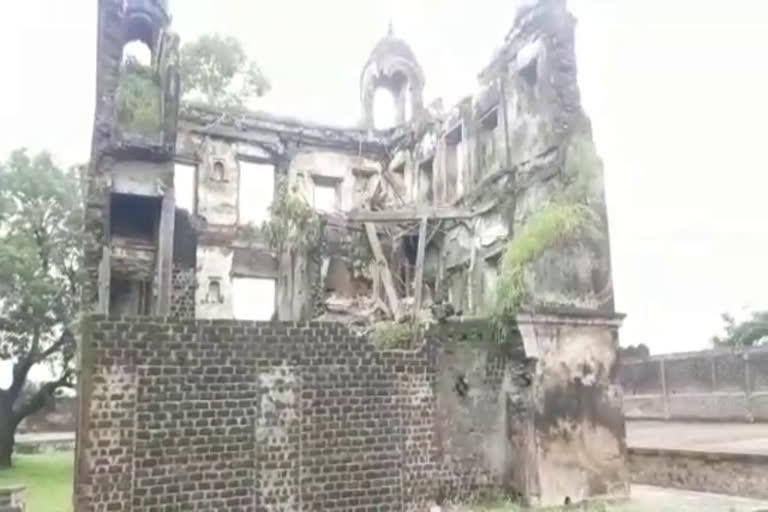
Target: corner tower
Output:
[(393, 66), (129, 188)]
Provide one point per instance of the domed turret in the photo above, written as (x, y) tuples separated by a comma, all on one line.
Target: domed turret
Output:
[(144, 19), (393, 66)]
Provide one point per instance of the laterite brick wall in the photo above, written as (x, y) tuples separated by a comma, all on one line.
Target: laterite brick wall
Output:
[(243, 416)]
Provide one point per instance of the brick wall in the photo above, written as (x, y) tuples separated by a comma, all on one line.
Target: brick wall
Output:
[(183, 284), (243, 416), (12, 499)]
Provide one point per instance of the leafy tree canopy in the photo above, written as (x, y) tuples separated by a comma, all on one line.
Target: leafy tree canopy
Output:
[(217, 70), (746, 333), (40, 248)]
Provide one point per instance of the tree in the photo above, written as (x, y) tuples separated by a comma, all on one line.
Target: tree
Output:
[(217, 70), (40, 249), (292, 231), (747, 333)]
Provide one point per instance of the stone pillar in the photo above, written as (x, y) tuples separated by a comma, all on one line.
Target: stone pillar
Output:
[(165, 253), (578, 420)]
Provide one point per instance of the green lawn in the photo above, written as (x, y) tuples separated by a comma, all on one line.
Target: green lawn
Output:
[(47, 477)]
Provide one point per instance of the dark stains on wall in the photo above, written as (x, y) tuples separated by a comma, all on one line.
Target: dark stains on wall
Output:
[(184, 241)]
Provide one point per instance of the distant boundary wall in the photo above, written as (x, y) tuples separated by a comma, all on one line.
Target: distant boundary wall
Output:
[(713, 385)]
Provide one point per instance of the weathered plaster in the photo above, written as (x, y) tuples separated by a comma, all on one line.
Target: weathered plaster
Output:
[(214, 263), (578, 417), (310, 166), (218, 179)]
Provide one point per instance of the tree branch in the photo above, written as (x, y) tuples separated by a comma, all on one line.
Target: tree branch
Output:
[(65, 338), (42, 396), (21, 368)]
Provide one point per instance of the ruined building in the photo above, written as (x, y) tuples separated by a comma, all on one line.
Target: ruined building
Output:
[(188, 404)]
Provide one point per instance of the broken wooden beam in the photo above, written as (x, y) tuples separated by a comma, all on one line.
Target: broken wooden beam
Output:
[(418, 280), (384, 273), (411, 214)]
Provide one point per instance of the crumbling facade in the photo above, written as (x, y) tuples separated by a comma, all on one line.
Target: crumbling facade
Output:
[(414, 222)]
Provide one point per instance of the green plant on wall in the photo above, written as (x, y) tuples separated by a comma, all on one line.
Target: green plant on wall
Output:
[(387, 334), (293, 224), (360, 255), (137, 99), (293, 228), (569, 216)]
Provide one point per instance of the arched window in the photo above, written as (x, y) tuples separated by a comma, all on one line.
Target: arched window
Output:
[(137, 96), (384, 109), (137, 51), (219, 173), (214, 292)]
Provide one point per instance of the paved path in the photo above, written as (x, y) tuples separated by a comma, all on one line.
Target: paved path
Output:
[(708, 437)]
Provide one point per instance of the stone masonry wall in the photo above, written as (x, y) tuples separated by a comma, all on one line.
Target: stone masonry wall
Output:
[(244, 416), (12, 499), (183, 284), (708, 385)]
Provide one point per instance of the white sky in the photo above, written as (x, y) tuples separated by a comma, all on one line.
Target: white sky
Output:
[(257, 186), (676, 91)]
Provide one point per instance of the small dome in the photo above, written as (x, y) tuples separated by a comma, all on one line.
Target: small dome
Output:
[(391, 46), (391, 49), (392, 65)]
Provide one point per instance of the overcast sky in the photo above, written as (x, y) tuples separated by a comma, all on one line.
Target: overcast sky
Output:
[(676, 91)]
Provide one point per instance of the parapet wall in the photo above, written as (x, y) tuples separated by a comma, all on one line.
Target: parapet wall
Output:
[(709, 385), (236, 416), (12, 499)]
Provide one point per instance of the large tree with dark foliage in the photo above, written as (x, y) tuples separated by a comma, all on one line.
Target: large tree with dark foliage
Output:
[(40, 248)]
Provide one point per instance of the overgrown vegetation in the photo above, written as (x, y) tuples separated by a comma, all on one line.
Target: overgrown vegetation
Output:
[(293, 229), (568, 217), (393, 335), (293, 224), (361, 255), (137, 99)]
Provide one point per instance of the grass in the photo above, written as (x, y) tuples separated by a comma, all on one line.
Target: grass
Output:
[(47, 478)]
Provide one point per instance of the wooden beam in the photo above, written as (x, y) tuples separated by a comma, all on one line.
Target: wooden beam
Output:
[(375, 275), (411, 214), (384, 273), (418, 280)]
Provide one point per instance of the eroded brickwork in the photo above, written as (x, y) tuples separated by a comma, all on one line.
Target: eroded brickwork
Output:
[(183, 292), (245, 416)]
